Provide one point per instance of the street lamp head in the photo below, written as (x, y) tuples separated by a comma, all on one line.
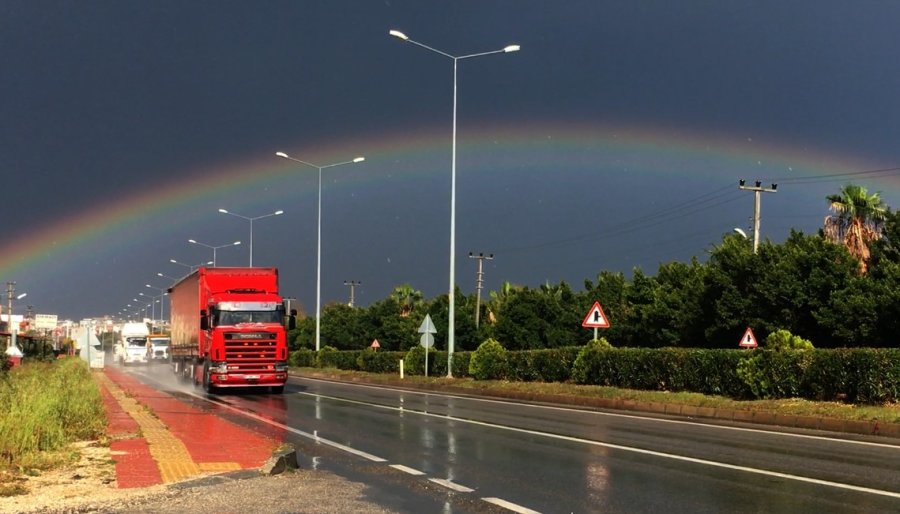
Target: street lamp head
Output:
[(236, 243), (278, 213), (359, 159), (398, 34), (192, 241), (223, 211), (512, 48), (23, 295), (283, 155)]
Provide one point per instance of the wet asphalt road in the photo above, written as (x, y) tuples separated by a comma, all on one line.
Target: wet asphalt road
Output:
[(424, 452)]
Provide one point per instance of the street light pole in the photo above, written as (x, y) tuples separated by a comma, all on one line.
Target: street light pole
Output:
[(450, 294), (214, 248), (162, 302), (251, 220), (319, 234)]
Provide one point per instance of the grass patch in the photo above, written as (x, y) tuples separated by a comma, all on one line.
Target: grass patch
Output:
[(889, 413), (43, 408)]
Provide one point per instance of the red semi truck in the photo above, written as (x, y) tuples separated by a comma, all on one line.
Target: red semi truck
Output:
[(228, 329)]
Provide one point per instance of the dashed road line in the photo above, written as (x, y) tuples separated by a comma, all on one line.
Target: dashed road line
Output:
[(407, 469), (451, 485), (510, 506)]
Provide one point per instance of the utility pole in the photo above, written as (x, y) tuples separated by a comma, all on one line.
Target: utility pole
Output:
[(10, 289), (479, 281), (757, 189), (352, 284)]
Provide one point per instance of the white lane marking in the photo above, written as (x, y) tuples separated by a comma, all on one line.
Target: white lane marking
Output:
[(450, 485), (746, 469), (615, 414), (407, 469), (510, 506)]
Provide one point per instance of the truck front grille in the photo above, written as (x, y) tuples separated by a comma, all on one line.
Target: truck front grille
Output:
[(245, 355)]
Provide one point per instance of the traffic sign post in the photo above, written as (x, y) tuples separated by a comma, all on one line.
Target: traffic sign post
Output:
[(427, 340), (595, 319), (748, 340)]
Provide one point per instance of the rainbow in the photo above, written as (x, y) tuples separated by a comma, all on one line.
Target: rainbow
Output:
[(585, 150)]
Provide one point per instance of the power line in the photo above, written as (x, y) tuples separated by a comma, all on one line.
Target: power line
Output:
[(837, 177), (693, 205)]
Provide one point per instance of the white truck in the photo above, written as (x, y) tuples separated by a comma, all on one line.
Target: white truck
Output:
[(159, 344), (132, 345)]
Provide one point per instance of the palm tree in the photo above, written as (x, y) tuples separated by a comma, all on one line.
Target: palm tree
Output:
[(407, 297), (858, 220), (499, 299)]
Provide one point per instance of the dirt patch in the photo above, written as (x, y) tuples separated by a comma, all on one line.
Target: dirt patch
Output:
[(90, 480)]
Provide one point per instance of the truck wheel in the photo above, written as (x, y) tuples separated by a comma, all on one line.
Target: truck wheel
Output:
[(207, 382), (276, 389)]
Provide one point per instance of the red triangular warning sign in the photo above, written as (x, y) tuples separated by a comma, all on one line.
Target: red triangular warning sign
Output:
[(748, 340), (595, 318)]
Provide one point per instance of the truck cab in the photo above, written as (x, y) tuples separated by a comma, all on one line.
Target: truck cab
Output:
[(159, 347), (132, 345)]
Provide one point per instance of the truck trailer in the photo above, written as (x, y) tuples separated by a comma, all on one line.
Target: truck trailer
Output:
[(228, 329)]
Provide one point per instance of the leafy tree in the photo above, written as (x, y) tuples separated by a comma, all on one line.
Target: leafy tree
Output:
[(539, 318), (797, 281), (341, 327), (857, 221), (610, 290), (394, 333), (728, 304)]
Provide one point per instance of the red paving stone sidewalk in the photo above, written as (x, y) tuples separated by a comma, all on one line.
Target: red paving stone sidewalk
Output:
[(157, 439)]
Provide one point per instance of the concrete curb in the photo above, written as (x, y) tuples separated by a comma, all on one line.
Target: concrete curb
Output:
[(859, 427)]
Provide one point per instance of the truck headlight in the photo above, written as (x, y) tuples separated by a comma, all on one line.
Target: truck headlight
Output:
[(222, 367)]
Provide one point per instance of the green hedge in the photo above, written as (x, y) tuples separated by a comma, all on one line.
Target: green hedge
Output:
[(857, 375)]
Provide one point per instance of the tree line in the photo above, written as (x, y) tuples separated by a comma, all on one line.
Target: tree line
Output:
[(839, 287)]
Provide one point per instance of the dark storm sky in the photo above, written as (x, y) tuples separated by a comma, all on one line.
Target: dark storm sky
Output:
[(105, 100)]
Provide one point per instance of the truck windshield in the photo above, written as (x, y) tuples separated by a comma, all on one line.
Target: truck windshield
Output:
[(136, 341), (235, 317)]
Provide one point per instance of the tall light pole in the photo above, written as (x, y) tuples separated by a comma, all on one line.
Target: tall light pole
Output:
[(450, 294), (319, 233), (152, 307), (214, 248), (251, 220), (162, 301)]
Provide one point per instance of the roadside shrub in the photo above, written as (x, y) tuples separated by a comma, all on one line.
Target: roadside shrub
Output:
[(414, 361), (774, 373), (331, 357), (828, 376), (594, 364), (712, 371), (461, 363), (784, 340), (489, 361), (302, 358), (876, 376), (549, 365), (379, 361)]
